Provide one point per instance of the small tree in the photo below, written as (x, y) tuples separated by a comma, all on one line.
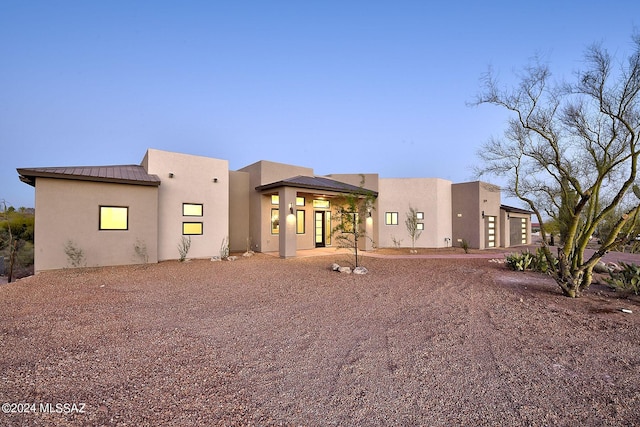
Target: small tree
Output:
[(352, 211), (411, 223)]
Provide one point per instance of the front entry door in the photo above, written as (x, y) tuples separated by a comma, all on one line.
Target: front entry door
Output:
[(322, 228)]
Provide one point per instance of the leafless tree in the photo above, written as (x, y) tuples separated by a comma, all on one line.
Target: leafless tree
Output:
[(570, 153)]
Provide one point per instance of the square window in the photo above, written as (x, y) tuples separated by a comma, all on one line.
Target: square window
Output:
[(419, 215), (391, 218), (275, 199), (420, 226), (191, 228), (192, 209), (300, 201), (114, 218)]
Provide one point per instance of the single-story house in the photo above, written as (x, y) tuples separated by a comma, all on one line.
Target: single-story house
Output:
[(128, 214)]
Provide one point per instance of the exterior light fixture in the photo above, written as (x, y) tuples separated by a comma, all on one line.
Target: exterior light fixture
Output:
[(482, 214), (170, 174), (215, 180), (291, 208)]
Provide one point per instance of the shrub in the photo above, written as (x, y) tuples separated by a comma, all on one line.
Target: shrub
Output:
[(627, 279), (528, 261), (183, 247), (75, 255)]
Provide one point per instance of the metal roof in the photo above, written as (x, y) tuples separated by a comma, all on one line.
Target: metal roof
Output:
[(515, 210), (317, 183), (122, 174)]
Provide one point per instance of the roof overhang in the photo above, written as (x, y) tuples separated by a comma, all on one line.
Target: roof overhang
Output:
[(122, 174), (512, 209), (317, 184)]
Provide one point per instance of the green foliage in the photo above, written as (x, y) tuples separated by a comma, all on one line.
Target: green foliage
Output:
[(628, 279), (75, 254), (528, 261), (183, 248), (352, 209)]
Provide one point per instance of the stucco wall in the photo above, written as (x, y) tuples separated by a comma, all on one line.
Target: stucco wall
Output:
[(195, 179), (432, 196), (469, 201), (68, 210), (239, 236), (261, 173)]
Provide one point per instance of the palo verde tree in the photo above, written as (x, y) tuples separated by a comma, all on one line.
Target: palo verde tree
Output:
[(352, 211), (570, 153)]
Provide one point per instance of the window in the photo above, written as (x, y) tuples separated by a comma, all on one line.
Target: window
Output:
[(420, 226), (191, 228), (300, 201), (114, 218), (275, 199), (321, 204), (299, 222), (191, 209), (419, 215), (391, 218), (275, 221)]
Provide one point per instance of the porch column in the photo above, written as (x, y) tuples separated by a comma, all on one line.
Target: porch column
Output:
[(287, 238)]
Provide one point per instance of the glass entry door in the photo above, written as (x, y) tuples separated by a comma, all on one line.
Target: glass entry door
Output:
[(322, 227)]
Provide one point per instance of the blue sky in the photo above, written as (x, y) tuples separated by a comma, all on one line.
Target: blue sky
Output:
[(339, 86)]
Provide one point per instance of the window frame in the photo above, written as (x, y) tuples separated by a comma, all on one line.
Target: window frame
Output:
[(184, 205), (298, 221), (186, 223), (100, 214), (389, 218), (275, 230)]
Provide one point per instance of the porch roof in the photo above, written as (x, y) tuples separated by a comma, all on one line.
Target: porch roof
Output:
[(515, 210), (317, 183), (122, 174)]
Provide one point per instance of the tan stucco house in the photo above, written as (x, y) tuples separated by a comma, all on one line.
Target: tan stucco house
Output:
[(130, 214)]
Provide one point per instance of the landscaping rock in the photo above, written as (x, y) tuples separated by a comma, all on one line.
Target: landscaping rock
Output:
[(360, 270), (346, 270), (335, 267)]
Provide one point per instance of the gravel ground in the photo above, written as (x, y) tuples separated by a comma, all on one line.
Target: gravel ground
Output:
[(265, 341)]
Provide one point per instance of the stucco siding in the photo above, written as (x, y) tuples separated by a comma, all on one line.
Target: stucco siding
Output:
[(190, 179), (431, 196), (69, 211)]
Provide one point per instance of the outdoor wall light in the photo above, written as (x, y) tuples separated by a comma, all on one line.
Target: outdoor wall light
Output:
[(170, 174), (214, 180), (291, 208), (482, 214)]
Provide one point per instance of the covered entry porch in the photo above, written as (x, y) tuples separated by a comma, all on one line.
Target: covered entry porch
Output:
[(303, 211)]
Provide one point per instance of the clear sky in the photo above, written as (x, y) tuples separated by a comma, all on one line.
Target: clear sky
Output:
[(339, 86)]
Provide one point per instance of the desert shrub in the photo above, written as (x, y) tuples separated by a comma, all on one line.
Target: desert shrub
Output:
[(224, 248), (75, 254), (528, 261), (465, 246), (627, 279), (183, 247)]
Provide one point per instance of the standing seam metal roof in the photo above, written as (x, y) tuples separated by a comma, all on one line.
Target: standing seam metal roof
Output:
[(124, 174)]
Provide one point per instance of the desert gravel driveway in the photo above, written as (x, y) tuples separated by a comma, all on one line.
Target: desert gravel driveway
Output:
[(265, 341)]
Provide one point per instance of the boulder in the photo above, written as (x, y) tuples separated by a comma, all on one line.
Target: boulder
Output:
[(346, 270), (335, 267), (600, 267), (360, 270)]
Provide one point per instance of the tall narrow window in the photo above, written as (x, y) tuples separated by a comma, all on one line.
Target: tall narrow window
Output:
[(114, 218), (300, 222), (192, 209), (275, 221)]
